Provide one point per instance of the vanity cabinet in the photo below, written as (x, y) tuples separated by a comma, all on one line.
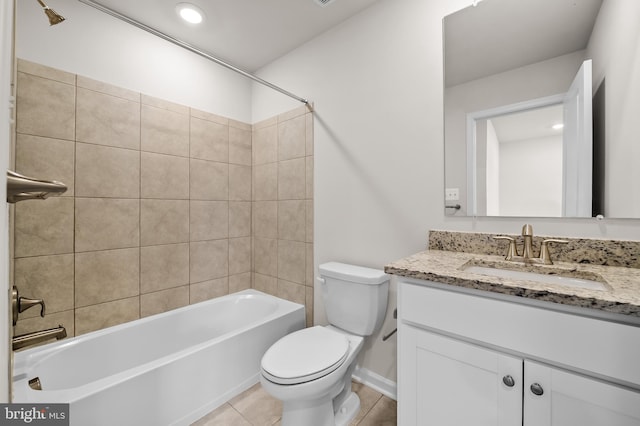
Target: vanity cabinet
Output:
[(465, 359)]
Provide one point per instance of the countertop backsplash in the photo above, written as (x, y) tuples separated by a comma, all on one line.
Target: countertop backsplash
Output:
[(619, 253)]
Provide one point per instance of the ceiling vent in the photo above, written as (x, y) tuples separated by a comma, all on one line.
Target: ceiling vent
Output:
[(323, 3)]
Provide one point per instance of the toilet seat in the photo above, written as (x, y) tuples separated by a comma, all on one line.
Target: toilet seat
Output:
[(305, 355)]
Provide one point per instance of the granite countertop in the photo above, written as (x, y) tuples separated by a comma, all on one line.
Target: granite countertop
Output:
[(620, 296)]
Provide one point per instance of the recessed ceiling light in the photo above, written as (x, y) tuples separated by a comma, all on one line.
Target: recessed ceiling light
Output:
[(190, 13), (558, 126)]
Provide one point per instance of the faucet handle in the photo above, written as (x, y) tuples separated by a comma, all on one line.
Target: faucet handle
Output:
[(513, 250), (545, 256), (21, 304), (25, 303)]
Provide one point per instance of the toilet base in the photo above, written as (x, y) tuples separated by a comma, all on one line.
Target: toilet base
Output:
[(308, 413), (348, 411), (320, 413)]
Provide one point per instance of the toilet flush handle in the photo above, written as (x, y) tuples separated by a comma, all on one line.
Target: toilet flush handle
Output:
[(322, 280)]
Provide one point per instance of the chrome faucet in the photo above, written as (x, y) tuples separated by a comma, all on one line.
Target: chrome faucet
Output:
[(29, 339), (527, 247)]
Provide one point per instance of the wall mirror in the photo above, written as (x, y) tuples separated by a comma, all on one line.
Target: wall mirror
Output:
[(539, 104)]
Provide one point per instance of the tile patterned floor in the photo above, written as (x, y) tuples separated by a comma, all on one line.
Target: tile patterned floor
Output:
[(255, 407)]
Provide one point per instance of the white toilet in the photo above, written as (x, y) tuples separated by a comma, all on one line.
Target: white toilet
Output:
[(310, 370)]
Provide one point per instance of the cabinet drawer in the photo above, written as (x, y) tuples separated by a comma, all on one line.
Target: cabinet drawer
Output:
[(596, 347)]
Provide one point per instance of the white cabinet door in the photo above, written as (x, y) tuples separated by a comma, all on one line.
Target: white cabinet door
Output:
[(446, 382), (560, 398)]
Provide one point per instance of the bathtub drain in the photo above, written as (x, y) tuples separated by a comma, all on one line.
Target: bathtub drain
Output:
[(35, 383)]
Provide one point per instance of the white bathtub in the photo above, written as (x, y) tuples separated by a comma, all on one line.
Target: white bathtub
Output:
[(167, 369)]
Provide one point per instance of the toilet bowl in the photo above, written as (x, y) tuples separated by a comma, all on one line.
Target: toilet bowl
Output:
[(310, 370), (308, 389)]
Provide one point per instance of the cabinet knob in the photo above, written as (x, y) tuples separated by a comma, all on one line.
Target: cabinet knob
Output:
[(536, 389), (508, 381)]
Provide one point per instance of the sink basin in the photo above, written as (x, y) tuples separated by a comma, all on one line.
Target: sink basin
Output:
[(536, 277)]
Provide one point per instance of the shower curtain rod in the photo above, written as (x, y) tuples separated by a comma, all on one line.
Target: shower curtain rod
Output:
[(189, 48)]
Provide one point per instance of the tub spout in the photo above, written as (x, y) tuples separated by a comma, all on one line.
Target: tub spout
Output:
[(36, 337), (21, 188)]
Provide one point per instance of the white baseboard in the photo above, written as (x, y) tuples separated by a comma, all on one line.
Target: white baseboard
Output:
[(377, 382)]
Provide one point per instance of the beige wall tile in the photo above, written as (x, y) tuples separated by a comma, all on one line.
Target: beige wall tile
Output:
[(39, 70), (309, 177), (164, 104), (44, 227), (163, 301), (204, 115), (239, 282), (239, 255), (206, 290), (103, 171), (209, 220), (309, 219), (209, 180), (103, 276), (291, 291), (51, 320), (272, 121), (239, 183), (293, 113), (164, 176), (265, 219), (240, 125), (265, 145), (310, 271), (49, 278), (97, 317), (45, 107), (292, 138), (266, 284), (239, 146), (108, 89), (265, 256), (265, 182), (291, 179), (46, 158), (163, 267), (107, 120), (292, 220), (239, 219), (105, 223), (291, 261), (164, 222), (164, 131), (309, 133), (208, 260), (308, 305), (209, 140)]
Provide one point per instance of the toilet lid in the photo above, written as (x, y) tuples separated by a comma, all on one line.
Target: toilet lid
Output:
[(305, 355)]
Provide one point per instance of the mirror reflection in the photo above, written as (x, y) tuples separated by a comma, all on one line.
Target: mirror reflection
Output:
[(517, 71)]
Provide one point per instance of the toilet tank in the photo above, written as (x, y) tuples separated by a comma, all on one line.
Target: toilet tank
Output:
[(355, 297)]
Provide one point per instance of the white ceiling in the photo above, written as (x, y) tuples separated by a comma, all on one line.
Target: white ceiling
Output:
[(501, 35), (245, 33), (531, 124)]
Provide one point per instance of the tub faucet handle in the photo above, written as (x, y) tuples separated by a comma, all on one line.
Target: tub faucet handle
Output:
[(25, 303), (20, 304)]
